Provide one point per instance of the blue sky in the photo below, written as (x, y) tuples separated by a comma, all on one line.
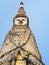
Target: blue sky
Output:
[(38, 13)]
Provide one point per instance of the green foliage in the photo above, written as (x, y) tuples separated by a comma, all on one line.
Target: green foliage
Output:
[(28, 52)]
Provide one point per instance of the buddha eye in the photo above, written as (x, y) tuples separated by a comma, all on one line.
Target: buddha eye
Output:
[(23, 19), (18, 19)]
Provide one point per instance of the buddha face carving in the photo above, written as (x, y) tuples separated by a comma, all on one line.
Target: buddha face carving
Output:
[(20, 21)]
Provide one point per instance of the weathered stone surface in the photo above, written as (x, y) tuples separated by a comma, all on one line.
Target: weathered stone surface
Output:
[(19, 39)]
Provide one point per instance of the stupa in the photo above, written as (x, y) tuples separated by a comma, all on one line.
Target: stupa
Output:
[(19, 46)]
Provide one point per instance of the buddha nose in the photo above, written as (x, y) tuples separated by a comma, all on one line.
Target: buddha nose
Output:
[(20, 21)]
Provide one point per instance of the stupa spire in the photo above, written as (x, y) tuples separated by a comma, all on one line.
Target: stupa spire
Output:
[(21, 11)]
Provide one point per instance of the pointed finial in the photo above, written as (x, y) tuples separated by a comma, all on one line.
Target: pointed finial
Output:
[(21, 4)]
